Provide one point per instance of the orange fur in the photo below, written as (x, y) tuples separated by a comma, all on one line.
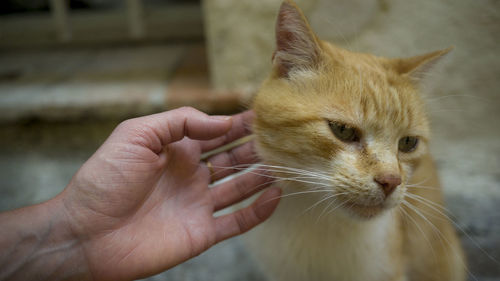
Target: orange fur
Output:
[(314, 82)]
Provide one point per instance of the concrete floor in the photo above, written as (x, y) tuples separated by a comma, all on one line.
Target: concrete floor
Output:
[(37, 159)]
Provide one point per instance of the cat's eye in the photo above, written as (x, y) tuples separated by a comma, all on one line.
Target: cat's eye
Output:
[(344, 132), (407, 144)]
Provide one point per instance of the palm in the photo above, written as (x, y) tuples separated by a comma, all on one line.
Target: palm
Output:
[(158, 210)]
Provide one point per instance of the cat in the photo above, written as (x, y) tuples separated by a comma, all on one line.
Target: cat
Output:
[(347, 136)]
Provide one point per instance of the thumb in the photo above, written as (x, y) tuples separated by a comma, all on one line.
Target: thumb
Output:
[(157, 130)]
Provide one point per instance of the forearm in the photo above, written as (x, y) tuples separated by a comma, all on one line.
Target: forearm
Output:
[(37, 244)]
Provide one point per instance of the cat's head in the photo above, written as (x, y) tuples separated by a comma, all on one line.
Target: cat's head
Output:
[(355, 121)]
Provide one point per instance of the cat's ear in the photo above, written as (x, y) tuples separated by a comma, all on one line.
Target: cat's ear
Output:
[(296, 44), (417, 67)]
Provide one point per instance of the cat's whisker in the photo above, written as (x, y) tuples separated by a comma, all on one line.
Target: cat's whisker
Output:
[(297, 193), (430, 204), (440, 215), (422, 187), (336, 207), (441, 236), (323, 200), (475, 243), (291, 179), (268, 183), (420, 182), (324, 211), (436, 231), (302, 181), (302, 177), (415, 210), (274, 168), (290, 169), (419, 229)]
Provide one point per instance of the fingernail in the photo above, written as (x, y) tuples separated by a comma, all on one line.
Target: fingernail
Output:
[(221, 117)]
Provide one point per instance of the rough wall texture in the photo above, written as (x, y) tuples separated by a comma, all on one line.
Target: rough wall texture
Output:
[(240, 34), (462, 91)]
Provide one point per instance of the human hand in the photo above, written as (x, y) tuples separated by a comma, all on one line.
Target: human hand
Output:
[(141, 204)]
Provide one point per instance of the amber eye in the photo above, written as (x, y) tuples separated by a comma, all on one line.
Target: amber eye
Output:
[(344, 132), (408, 144)]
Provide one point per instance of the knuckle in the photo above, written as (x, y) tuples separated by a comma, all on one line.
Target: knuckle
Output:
[(187, 110), (242, 221), (240, 187), (233, 158), (128, 124)]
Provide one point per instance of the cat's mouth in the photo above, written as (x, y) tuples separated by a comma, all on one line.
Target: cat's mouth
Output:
[(366, 211)]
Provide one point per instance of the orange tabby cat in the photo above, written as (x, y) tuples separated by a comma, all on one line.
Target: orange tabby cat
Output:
[(348, 134)]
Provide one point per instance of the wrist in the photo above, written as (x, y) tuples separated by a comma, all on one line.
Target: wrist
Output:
[(39, 244), (65, 247)]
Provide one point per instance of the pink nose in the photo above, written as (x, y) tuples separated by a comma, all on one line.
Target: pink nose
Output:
[(388, 182)]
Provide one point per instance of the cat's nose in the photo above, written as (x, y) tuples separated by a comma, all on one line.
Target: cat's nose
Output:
[(388, 182)]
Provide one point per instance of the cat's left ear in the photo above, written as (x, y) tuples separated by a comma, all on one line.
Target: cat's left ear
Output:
[(417, 67), (296, 44)]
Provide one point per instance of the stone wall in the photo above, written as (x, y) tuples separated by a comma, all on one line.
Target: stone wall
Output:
[(240, 34)]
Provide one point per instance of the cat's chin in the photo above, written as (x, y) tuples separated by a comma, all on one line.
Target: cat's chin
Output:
[(365, 212)]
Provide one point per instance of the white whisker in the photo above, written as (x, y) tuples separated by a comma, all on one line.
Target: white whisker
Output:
[(323, 200), (422, 187), (448, 217), (420, 229), (338, 206), (430, 204), (440, 235)]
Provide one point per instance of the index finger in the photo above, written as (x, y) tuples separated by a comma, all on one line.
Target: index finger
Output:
[(158, 130), (241, 127)]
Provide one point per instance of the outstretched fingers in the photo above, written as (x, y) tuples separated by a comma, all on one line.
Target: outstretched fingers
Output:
[(240, 128), (238, 189), (232, 161), (245, 219)]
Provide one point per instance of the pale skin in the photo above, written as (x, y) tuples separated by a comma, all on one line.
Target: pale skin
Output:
[(140, 205)]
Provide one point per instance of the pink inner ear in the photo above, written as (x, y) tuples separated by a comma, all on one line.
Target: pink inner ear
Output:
[(284, 37), (286, 21), (295, 42), (284, 43)]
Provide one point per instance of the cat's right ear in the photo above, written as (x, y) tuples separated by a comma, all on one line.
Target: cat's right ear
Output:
[(297, 47), (417, 67)]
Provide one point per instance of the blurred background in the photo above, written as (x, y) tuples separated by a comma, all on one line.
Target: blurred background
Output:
[(70, 71)]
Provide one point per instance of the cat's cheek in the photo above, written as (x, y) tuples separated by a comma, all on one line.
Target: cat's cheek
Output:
[(345, 160)]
